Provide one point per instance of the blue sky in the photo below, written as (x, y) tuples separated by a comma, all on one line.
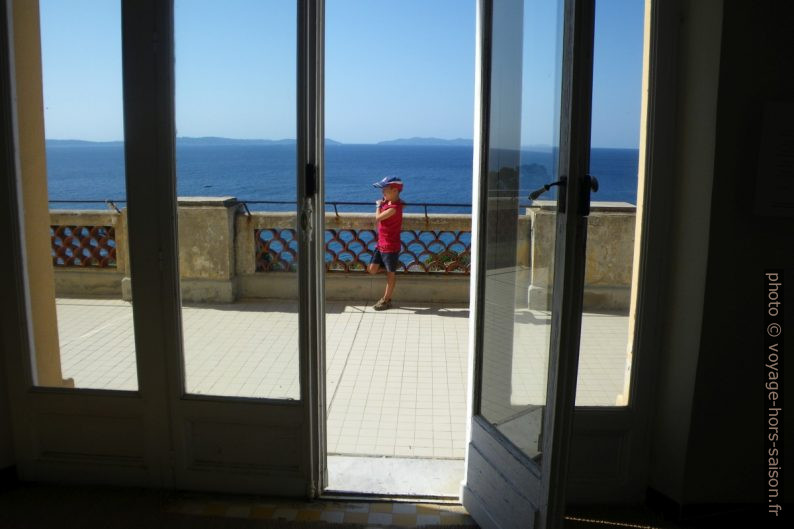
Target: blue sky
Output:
[(393, 69)]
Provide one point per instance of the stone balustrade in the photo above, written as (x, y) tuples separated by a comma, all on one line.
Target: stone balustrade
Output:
[(349, 241), (226, 254), (609, 260)]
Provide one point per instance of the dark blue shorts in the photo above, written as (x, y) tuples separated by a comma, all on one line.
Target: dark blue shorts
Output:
[(390, 261)]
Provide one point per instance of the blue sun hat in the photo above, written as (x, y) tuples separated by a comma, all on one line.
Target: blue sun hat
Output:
[(386, 181)]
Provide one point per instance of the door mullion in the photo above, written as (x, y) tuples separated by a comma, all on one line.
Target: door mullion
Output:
[(479, 213), (310, 228), (569, 262), (147, 51)]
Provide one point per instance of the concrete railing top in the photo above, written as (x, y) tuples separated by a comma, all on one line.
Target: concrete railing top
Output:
[(83, 217), (411, 221), (207, 201), (595, 206)]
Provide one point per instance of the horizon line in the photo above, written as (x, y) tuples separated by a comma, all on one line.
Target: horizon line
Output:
[(536, 145)]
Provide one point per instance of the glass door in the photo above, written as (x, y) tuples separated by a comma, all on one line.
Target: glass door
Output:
[(534, 68), (221, 393), (232, 84)]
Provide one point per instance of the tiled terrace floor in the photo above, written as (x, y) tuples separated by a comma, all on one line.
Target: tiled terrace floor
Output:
[(396, 380)]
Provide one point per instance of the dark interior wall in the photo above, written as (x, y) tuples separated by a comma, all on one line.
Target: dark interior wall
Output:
[(6, 192), (6, 446), (685, 44), (726, 454)]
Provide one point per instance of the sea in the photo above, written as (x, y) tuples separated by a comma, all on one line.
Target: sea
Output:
[(80, 173)]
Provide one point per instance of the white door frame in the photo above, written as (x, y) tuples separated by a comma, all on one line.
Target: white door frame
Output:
[(610, 444), (503, 487), (311, 189), (231, 444), (76, 435), (158, 436)]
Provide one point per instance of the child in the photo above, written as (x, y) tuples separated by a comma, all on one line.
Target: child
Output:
[(389, 221)]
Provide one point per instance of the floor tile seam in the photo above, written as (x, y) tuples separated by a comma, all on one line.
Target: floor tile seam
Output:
[(379, 352), (91, 332), (329, 408)]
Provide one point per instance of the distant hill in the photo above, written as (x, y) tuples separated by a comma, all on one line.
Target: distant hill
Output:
[(215, 140), (79, 143), (206, 140), (427, 141)]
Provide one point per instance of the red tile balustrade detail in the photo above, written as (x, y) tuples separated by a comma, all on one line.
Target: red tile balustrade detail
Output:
[(276, 250), (83, 246), (350, 250)]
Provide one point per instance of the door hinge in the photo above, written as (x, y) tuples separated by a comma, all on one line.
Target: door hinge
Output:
[(307, 218)]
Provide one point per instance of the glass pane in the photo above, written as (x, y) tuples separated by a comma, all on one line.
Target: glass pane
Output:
[(604, 351), (519, 233), (237, 187), (78, 264)]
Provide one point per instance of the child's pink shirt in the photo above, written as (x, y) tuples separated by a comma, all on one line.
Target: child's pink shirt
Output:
[(389, 229)]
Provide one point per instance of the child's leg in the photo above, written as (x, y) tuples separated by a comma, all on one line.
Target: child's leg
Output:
[(391, 280), (373, 268)]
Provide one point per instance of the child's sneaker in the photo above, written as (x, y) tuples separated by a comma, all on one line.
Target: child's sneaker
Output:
[(382, 304)]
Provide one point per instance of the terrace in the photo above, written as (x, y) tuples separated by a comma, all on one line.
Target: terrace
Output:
[(396, 380)]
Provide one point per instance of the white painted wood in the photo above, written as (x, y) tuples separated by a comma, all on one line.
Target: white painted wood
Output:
[(62, 434), (234, 444), (481, 69), (157, 436), (311, 268), (504, 502)]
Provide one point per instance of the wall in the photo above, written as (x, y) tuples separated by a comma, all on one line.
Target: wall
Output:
[(757, 66), (694, 26), (708, 429), (8, 216), (33, 168), (6, 441)]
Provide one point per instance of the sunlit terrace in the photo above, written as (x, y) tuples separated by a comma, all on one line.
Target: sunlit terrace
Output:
[(396, 380)]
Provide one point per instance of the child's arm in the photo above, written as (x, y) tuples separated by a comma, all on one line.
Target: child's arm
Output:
[(383, 215)]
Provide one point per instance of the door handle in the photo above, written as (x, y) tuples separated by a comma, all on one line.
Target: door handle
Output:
[(536, 193), (309, 191), (593, 182), (590, 184)]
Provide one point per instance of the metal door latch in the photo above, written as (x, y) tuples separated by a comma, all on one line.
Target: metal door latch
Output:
[(536, 193), (306, 223)]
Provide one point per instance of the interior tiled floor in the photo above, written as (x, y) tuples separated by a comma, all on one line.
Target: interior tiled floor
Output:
[(396, 380), (112, 508), (40, 506), (379, 513)]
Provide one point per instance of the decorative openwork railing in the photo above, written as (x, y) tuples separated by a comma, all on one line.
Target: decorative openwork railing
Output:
[(276, 250), (350, 250), (83, 246)]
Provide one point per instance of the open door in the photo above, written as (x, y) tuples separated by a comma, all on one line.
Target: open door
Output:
[(534, 84)]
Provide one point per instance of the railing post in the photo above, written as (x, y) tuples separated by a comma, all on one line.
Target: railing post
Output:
[(206, 248)]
